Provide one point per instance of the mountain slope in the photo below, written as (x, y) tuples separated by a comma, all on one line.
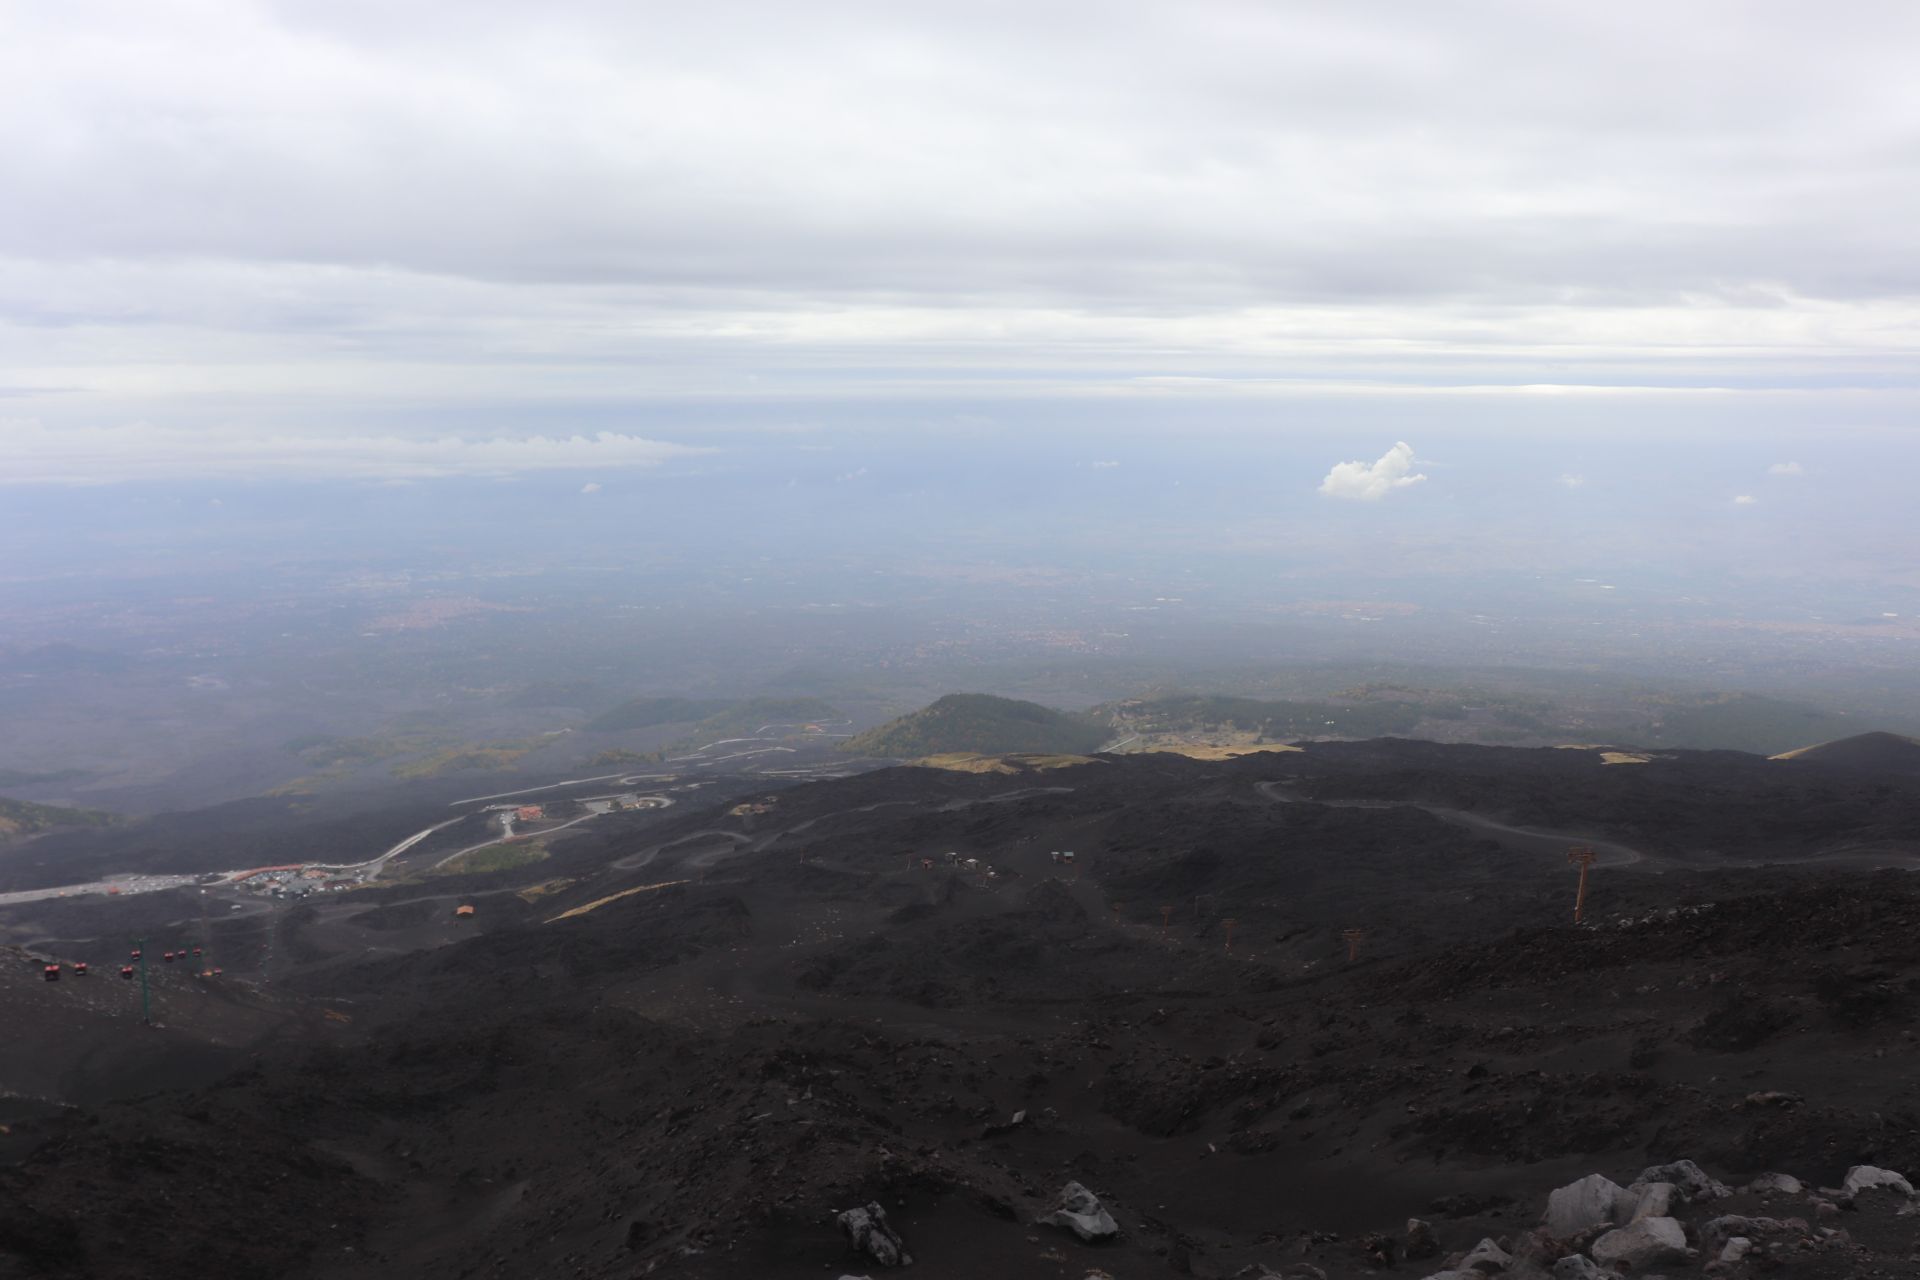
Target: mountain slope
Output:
[(980, 722), (1864, 752)]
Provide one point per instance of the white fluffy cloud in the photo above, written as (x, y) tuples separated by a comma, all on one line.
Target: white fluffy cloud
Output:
[(1372, 481), (1745, 500), (591, 486), (1786, 469), (38, 454)]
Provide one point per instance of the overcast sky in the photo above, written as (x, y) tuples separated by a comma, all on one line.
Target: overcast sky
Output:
[(376, 239)]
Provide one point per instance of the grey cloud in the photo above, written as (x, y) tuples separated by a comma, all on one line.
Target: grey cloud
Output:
[(321, 202)]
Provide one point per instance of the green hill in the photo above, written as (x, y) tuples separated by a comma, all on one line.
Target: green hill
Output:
[(746, 719), (20, 819), (980, 723), (644, 713)]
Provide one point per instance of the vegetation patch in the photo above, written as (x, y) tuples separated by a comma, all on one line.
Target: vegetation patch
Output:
[(20, 818), (499, 755), (617, 757), (494, 857)]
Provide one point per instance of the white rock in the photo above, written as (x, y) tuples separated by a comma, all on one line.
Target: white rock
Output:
[(1865, 1177), (1715, 1232), (1776, 1184), (1642, 1244), (1736, 1249), (1485, 1258), (1649, 1200), (1579, 1267), (1581, 1206), (1688, 1178), (1081, 1212), (868, 1232)]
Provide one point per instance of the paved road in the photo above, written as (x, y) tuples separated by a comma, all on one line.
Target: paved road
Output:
[(114, 885)]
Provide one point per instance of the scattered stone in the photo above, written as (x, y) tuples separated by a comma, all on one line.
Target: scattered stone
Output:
[(1081, 1212), (868, 1233), (1688, 1178), (1642, 1244), (1715, 1233), (1579, 1267), (1583, 1205), (1866, 1177), (1776, 1184), (1735, 1249), (1653, 1200), (1485, 1258), (1774, 1098), (1420, 1241)]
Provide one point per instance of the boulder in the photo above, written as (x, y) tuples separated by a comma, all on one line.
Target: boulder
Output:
[(1783, 1184), (1579, 1267), (1735, 1249), (1081, 1212), (1865, 1177), (1688, 1178), (868, 1233), (1581, 1206), (1420, 1241), (1485, 1259), (1646, 1243), (1648, 1200), (1715, 1232)]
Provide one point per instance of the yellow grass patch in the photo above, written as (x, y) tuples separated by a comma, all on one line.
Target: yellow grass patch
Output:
[(533, 892), (598, 903), (1210, 751), (972, 762)]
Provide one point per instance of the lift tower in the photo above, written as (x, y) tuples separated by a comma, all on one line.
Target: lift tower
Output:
[(146, 994), (1583, 858)]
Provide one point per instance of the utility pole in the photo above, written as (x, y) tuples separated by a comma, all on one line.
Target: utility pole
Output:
[(1583, 858), (206, 937), (1229, 922), (146, 996), (1166, 918), (1353, 937)]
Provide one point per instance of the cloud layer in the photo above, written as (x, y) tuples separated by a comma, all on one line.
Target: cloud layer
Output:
[(305, 215), (37, 454), (1372, 481)]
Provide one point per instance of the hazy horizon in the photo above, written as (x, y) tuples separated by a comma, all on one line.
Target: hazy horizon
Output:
[(1220, 335)]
